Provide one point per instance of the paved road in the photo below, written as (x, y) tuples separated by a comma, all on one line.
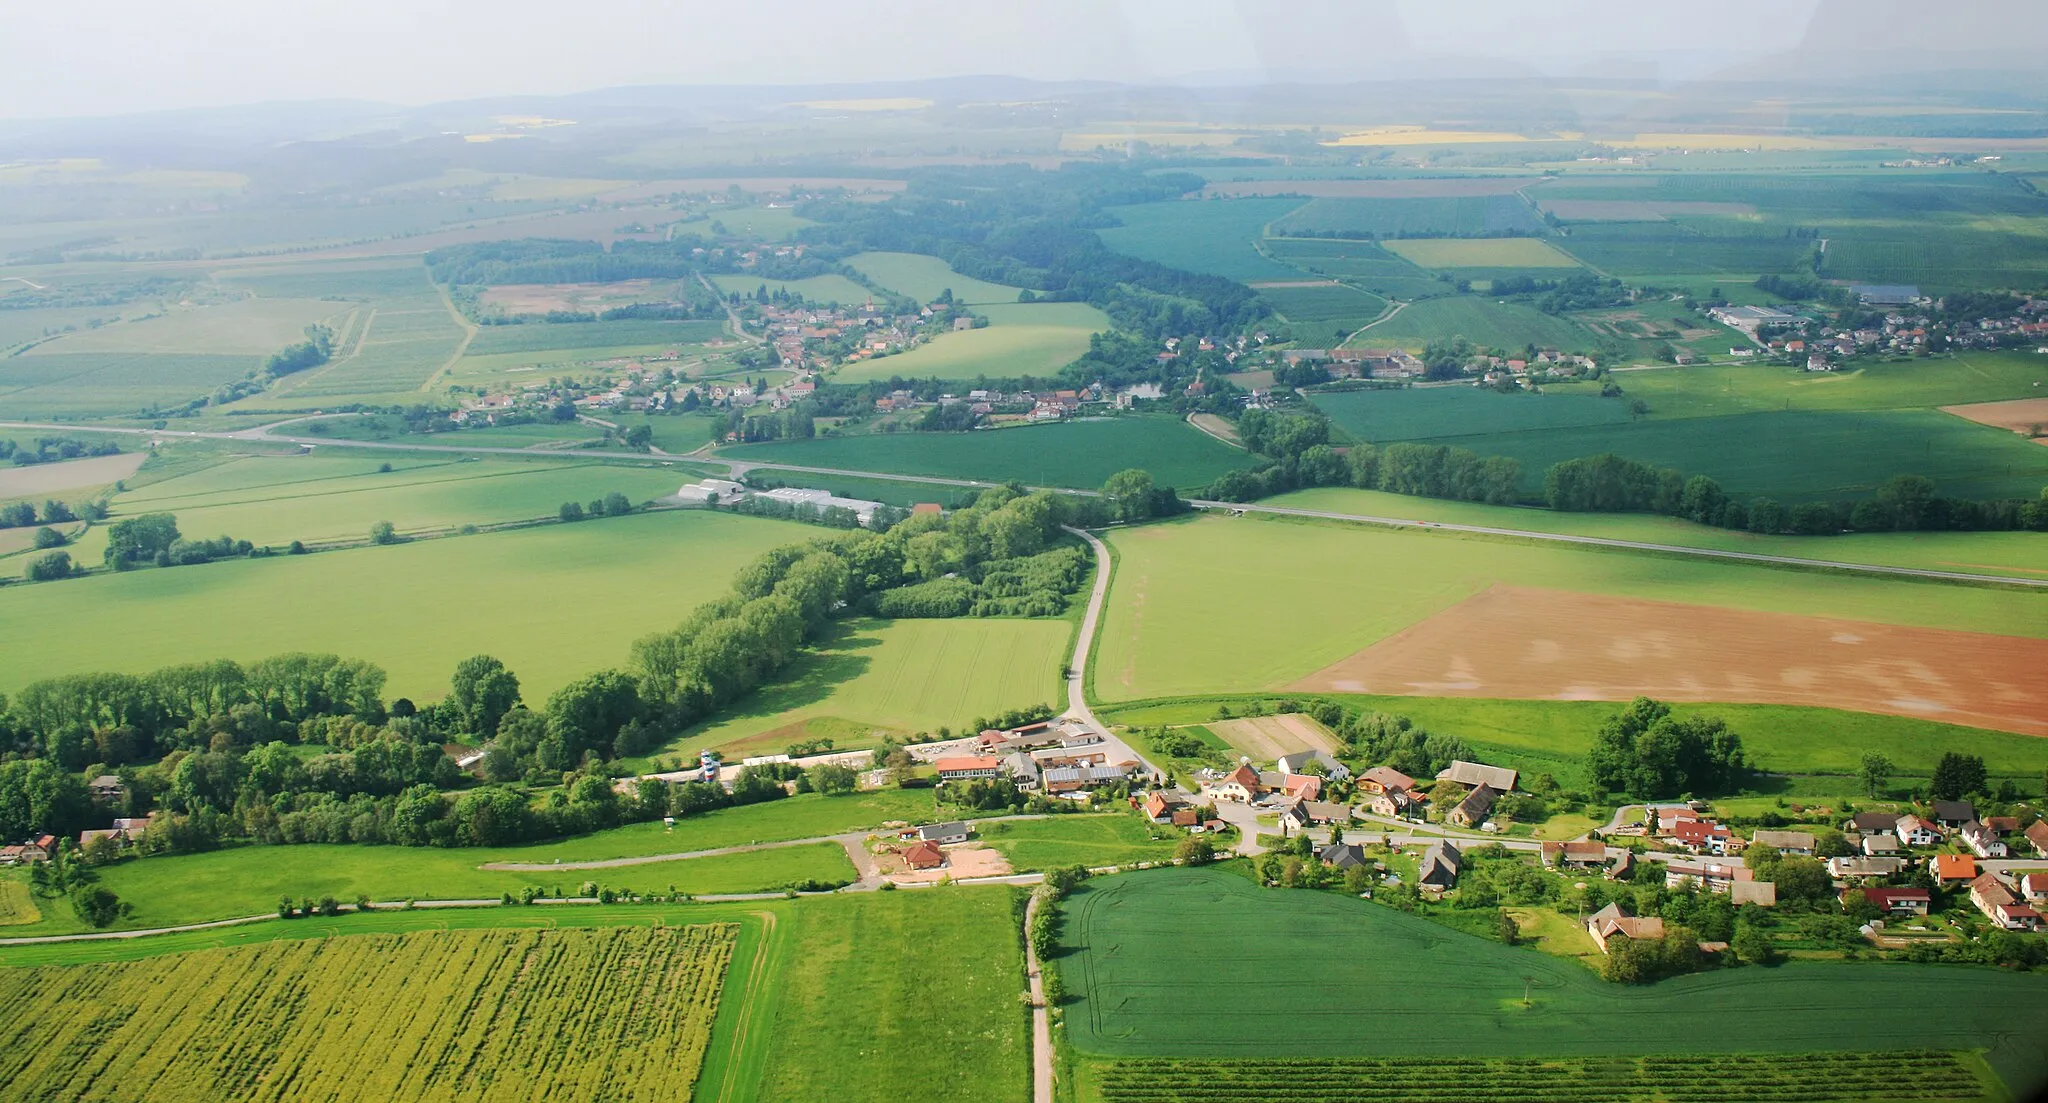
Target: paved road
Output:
[(1041, 1021), (1632, 545), (1077, 667)]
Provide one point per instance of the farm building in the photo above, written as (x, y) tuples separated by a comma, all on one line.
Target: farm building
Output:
[(1385, 779), (1883, 294), (1474, 774), (712, 492), (1473, 810), (1585, 855), (1440, 865), (952, 831), (968, 767), (862, 509), (1074, 779)]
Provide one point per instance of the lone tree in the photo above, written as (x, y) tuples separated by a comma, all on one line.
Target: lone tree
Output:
[(1875, 772), (383, 532), (1956, 775)]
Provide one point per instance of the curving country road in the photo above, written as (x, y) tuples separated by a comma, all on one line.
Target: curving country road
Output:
[(738, 468)]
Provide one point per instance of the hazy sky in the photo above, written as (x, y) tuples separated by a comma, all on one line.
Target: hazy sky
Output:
[(89, 57)]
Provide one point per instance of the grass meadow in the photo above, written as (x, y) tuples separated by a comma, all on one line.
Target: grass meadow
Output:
[(553, 602), (1217, 237), (1965, 377), (1020, 339), (1219, 604), (2019, 554), (1326, 956), (1120, 838), (923, 278), (1334, 308), (880, 678), (1359, 263), (1072, 454), (1417, 413)]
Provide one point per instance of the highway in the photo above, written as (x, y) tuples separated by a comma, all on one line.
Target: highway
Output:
[(737, 468)]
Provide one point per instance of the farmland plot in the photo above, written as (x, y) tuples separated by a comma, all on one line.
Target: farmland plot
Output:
[(471, 1015), (1216, 238)]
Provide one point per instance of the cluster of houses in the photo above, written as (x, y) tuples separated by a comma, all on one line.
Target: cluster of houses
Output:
[(1883, 840), (1050, 757)]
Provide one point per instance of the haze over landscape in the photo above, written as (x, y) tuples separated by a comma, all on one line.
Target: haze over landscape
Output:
[(1080, 553)]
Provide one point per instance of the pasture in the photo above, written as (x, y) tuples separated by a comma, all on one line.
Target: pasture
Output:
[(623, 1010), (2019, 554), (1419, 412), (1216, 237), (877, 678), (1453, 216), (1485, 322), (1020, 339), (1504, 252), (1324, 958), (1348, 587), (1966, 377), (923, 278), (1078, 454), (532, 597), (1796, 455), (817, 289)]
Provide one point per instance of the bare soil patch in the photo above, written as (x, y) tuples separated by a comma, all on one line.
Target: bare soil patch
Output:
[(1266, 738), (50, 478), (963, 860), (1375, 189), (1546, 644), (539, 298), (2020, 415)]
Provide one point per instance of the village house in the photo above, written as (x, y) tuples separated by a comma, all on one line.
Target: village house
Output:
[(1400, 804), (1702, 836), (969, 767), (42, 848), (1763, 894), (1580, 855), (1293, 817), (1879, 846), (923, 855), (1322, 812), (1949, 868), (1241, 784), (2034, 886), (106, 787), (1473, 810), (1623, 867), (1712, 876), (1383, 779), (1982, 841), (1440, 865), (1787, 842), (1857, 867), (1999, 905), (1023, 770), (1344, 856), (1892, 901), (953, 831), (1914, 831), (1614, 921), (1954, 813), (1295, 763), (1160, 806), (2038, 836)]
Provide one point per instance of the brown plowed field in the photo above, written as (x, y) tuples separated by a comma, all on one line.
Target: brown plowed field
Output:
[(1548, 644), (2019, 415), (1268, 737)]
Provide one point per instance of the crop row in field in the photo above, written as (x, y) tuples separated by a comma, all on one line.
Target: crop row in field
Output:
[(1359, 263), (1075, 454), (1791, 1077), (531, 1015), (1217, 237), (1323, 960), (1325, 307), (87, 384)]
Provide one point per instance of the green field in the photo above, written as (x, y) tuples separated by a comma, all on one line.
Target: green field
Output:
[(404, 334), (321, 498), (1117, 839), (1975, 376), (1504, 252), (553, 602), (1711, 248), (888, 996), (1488, 323), (251, 326), (1218, 237), (1796, 455), (1071, 454), (1324, 960), (1418, 412), (2019, 554), (89, 384), (923, 278), (492, 340), (622, 1010), (1325, 308), (1345, 587), (1470, 215), (817, 289), (1360, 263), (895, 678), (1020, 339)]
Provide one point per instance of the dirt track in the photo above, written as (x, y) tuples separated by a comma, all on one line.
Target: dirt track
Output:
[(1547, 644)]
